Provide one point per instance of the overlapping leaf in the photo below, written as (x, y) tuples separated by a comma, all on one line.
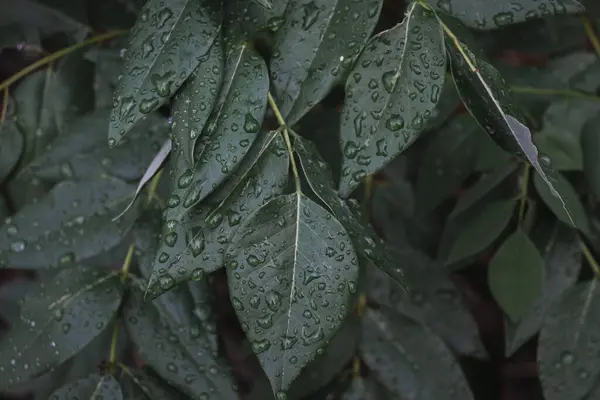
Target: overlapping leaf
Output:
[(244, 19), (58, 320), (487, 15), (364, 389), (315, 47), (93, 387), (72, 223), (165, 46), (292, 271), (590, 142), (390, 94), (140, 384)]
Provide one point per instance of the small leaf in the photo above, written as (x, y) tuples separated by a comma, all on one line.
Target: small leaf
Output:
[(11, 148), (57, 321), (196, 245), (186, 363), (568, 346), (570, 197), (165, 46), (314, 49), (562, 261), (393, 347), (590, 143), (93, 387), (387, 102), (290, 287), (515, 275), (487, 15), (70, 224), (144, 385), (487, 97), (481, 230)]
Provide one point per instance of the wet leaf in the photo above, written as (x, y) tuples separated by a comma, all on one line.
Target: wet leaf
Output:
[(268, 4), (568, 344), (244, 19), (315, 48), (488, 98), (562, 262), (590, 143), (481, 230), (72, 223), (488, 15), (58, 319), (93, 387), (195, 246), (387, 100), (409, 360), (139, 384), (516, 274), (11, 147), (189, 365), (165, 46), (290, 287), (564, 151)]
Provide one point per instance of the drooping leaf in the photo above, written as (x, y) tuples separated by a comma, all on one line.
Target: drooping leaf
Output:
[(590, 143), (388, 101), (196, 244), (189, 365), (11, 147), (488, 98), (58, 319), (93, 387), (568, 344), (290, 287), (409, 360), (488, 15), (562, 262), (570, 197), (140, 384), (314, 49), (165, 46), (481, 230), (516, 274), (72, 223)]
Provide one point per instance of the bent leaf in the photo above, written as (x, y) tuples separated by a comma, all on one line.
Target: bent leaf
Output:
[(291, 272), (94, 386), (391, 94), (165, 46)]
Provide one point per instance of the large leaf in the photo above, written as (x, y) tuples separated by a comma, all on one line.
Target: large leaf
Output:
[(315, 47), (139, 384), (494, 14), (11, 147), (409, 360), (390, 94), (72, 223), (244, 19), (197, 244), (568, 345), (481, 230), (58, 320), (291, 272), (488, 98), (165, 46), (93, 387), (516, 274), (187, 363), (562, 261)]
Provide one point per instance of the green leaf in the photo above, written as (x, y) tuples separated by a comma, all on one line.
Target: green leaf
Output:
[(93, 387), (564, 151), (568, 346), (196, 245), (232, 128), (488, 98), (315, 48), (290, 287), (388, 101), (393, 347), (58, 319), (265, 3), (571, 198), (72, 223), (562, 262), (590, 143), (446, 162), (481, 230), (165, 46), (244, 19), (11, 148), (488, 15), (490, 156), (446, 106), (364, 389), (516, 274), (108, 66), (140, 384), (187, 363)]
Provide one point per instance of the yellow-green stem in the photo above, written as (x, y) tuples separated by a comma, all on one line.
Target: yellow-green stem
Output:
[(4, 109), (555, 92), (590, 258), (523, 192), (591, 34)]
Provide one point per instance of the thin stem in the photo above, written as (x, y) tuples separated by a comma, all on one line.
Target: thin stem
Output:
[(127, 263), (555, 92), (589, 31), (4, 109), (113, 348), (288, 142), (590, 258), (59, 54), (154, 186), (523, 194)]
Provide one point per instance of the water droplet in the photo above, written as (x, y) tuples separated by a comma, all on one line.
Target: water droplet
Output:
[(251, 125), (166, 282), (237, 304), (260, 346), (18, 246), (171, 239), (198, 274)]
